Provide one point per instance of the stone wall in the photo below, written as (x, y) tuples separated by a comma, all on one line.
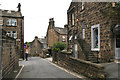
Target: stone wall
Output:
[(92, 14), (9, 55), (19, 29), (79, 66)]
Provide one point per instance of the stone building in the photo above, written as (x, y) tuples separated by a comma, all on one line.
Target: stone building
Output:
[(44, 42), (8, 54), (55, 34), (36, 47), (13, 23), (93, 34)]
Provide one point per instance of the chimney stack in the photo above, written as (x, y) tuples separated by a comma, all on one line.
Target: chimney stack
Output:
[(19, 7), (51, 22), (36, 37)]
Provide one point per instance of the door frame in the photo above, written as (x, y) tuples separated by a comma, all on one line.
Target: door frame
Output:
[(75, 50), (117, 51)]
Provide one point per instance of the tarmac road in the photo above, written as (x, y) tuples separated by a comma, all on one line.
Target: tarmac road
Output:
[(38, 68)]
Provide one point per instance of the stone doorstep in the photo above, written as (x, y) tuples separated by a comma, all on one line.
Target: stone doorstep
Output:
[(117, 61)]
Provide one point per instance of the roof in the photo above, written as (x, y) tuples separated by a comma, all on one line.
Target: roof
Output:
[(11, 13), (42, 40), (60, 30)]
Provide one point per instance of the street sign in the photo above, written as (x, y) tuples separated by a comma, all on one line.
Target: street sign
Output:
[(25, 46)]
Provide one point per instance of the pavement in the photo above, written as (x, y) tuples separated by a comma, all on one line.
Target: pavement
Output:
[(38, 68), (112, 69), (49, 59)]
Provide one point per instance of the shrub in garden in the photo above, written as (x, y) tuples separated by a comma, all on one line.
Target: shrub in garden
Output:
[(58, 46)]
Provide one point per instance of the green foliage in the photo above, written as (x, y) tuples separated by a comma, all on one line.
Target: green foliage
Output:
[(58, 46), (64, 50)]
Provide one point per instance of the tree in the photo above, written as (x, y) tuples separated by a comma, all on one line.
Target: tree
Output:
[(58, 46)]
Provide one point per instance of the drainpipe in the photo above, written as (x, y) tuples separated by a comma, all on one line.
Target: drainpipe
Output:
[(97, 56)]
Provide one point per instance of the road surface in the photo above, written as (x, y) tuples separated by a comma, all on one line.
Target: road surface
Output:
[(37, 67)]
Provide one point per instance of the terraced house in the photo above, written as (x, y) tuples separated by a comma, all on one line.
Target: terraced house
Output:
[(55, 34), (94, 31), (12, 23)]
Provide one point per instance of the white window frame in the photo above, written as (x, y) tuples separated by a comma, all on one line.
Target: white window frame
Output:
[(11, 34), (92, 38), (15, 35), (14, 22), (83, 5), (75, 37), (63, 38), (9, 21), (83, 31), (70, 38), (73, 19)]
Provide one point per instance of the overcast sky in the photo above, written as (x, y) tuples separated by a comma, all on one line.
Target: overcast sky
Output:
[(37, 14)]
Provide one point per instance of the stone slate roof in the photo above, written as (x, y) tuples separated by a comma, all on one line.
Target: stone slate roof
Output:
[(11, 13), (60, 30), (42, 40)]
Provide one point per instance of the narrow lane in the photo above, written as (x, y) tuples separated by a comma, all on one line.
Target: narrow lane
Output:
[(37, 67)]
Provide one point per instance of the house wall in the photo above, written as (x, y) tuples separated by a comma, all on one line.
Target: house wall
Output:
[(52, 35), (36, 47), (93, 14), (20, 32)]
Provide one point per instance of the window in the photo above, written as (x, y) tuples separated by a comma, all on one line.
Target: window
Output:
[(95, 37), (75, 37), (9, 22), (8, 33), (73, 22), (63, 38), (12, 34), (14, 22), (1, 21), (118, 41), (83, 5), (83, 31), (70, 38), (70, 45)]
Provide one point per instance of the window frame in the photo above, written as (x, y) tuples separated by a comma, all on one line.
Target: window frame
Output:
[(92, 38), (10, 22), (14, 34), (83, 31), (83, 5), (73, 19), (63, 38), (13, 22), (11, 34), (1, 21)]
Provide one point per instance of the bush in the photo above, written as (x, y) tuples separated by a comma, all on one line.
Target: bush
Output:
[(58, 46)]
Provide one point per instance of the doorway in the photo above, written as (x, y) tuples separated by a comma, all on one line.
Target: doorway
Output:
[(75, 53), (117, 47)]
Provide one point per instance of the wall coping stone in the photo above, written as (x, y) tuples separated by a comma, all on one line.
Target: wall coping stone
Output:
[(89, 63)]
